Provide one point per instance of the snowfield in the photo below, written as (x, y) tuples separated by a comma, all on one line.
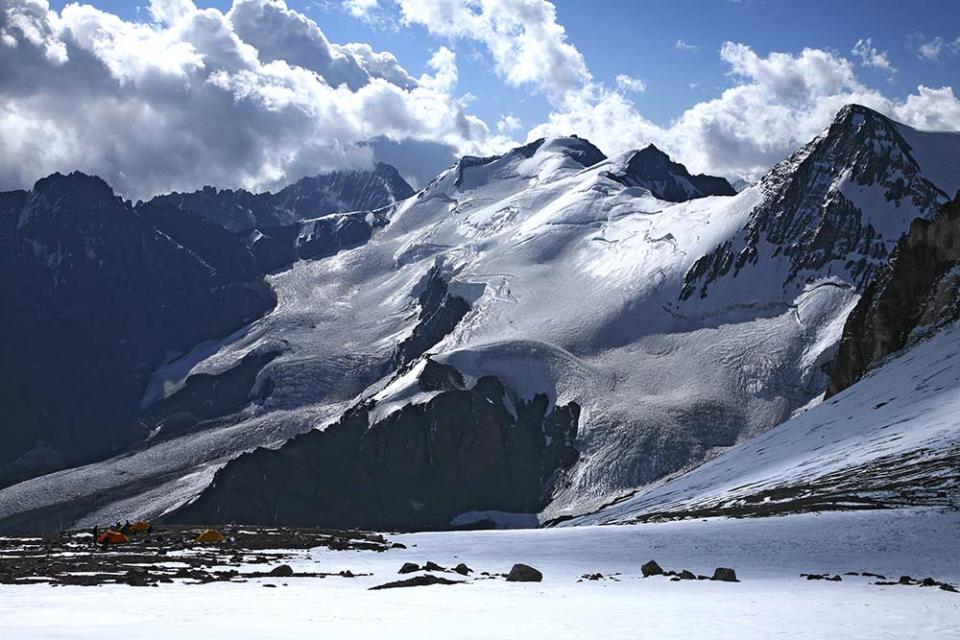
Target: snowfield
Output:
[(770, 601)]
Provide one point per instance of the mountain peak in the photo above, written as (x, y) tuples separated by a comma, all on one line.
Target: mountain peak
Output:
[(76, 184), (653, 170)]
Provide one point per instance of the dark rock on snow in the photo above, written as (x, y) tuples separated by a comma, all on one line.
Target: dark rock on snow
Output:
[(409, 567), (524, 573), (416, 581), (282, 571), (724, 574), (651, 569)]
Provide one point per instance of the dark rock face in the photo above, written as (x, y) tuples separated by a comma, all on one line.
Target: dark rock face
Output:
[(339, 191), (917, 293), (651, 569), (808, 219), (409, 567), (524, 573), (439, 314), (95, 297), (667, 180), (465, 449)]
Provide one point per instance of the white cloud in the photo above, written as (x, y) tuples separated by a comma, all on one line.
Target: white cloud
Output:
[(508, 124), (933, 49), (528, 46), (629, 83), (870, 56), (256, 97), (778, 102), (169, 11), (361, 8), (685, 46)]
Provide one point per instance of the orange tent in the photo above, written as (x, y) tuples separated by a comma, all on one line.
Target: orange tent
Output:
[(211, 535), (139, 527), (112, 537)]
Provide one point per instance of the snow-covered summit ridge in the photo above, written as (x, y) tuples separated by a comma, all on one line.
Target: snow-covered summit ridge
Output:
[(835, 208)]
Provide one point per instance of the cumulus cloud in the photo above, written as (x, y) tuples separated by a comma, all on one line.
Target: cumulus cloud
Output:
[(629, 83), (528, 46), (777, 103), (508, 124), (870, 56), (254, 97)]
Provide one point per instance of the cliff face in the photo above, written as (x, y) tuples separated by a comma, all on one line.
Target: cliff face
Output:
[(918, 292), (466, 449)]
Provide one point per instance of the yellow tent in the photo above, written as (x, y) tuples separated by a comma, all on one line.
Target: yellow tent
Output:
[(139, 526), (211, 535)]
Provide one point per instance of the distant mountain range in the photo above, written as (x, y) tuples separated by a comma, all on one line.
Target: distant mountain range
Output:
[(99, 293), (538, 332)]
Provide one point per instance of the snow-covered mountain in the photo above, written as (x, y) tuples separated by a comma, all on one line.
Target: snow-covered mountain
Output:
[(549, 278), (309, 198), (890, 440)]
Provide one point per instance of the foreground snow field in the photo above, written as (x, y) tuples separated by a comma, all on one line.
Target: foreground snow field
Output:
[(771, 601)]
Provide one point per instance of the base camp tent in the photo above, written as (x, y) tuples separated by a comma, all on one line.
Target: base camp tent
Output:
[(211, 535), (112, 537)]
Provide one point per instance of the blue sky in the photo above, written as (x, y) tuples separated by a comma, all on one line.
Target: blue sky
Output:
[(161, 95), (639, 38)]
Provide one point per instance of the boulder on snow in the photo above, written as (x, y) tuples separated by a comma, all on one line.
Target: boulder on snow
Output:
[(416, 581), (462, 569), (409, 567), (524, 573), (651, 569), (282, 571), (432, 566), (724, 574), (686, 575)]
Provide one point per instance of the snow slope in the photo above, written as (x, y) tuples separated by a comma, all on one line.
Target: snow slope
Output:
[(575, 284), (770, 601), (892, 437)]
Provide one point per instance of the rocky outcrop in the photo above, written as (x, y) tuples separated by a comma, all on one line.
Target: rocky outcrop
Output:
[(667, 180), (309, 198), (806, 216), (465, 449), (439, 314), (95, 297), (917, 293), (279, 246)]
